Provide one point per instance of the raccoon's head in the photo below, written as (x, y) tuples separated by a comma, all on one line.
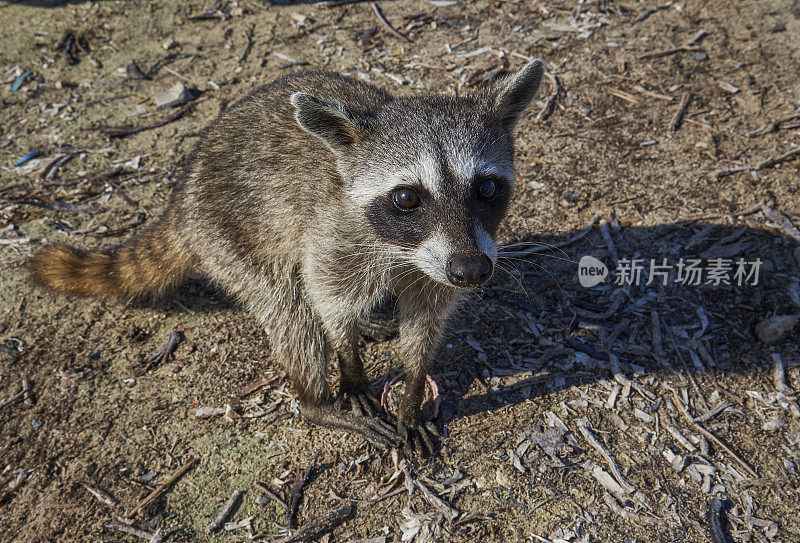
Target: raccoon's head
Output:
[(431, 175)]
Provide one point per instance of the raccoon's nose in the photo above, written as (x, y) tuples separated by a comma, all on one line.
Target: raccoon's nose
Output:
[(469, 271)]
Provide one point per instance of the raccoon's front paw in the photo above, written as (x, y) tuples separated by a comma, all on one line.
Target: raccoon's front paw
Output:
[(420, 438), (364, 404), (377, 431)]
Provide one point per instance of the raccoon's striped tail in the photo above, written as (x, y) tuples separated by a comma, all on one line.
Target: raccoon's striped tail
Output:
[(145, 265)]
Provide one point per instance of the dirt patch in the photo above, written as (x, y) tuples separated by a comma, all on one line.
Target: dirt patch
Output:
[(524, 357)]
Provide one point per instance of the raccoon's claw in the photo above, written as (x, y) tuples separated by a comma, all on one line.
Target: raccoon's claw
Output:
[(377, 432), (365, 405), (362, 404), (420, 438)]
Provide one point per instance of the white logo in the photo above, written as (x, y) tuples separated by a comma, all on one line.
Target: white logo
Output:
[(591, 271)]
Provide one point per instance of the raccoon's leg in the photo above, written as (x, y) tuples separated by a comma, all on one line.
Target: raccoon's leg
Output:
[(298, 340), (353, 382), (423, 315), (340, 321)]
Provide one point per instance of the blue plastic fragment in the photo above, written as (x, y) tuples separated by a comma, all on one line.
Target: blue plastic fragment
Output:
[(22, 160), (19, 80)]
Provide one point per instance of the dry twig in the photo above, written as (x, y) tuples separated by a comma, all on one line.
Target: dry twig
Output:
[(249, 45), (12, 399), (154, 495), (645, 14), (711, 437), (675, 122), (651, 94), (130, 530), (269, 492), (233, 502), (583, 426), (774, 126), (297, 494), (337, 3), (782, 221), (667, 52), (386, 25), (122, 131), (774, 161), (612, 248), (624, 95), (319, 526), (552, 100)]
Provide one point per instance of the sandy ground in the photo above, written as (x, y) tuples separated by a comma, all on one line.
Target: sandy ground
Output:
[(529, 362)]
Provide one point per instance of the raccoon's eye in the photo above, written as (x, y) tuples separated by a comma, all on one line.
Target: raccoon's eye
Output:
[(487, 190), (406, 199)]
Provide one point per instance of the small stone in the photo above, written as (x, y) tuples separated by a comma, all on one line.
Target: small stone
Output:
[(32, 165), (727, 87), (774, 424), (169, 44), (773, 330), (699, 56), (133, 164), (503, 479), (147, 477), (176, 95)]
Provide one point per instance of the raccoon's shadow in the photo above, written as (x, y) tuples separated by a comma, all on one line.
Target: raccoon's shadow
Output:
[(535, 315), (196, 295), (520, 336)]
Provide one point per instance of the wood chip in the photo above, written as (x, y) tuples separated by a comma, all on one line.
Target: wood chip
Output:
[(627, 514), (101, 495), (605, 479)]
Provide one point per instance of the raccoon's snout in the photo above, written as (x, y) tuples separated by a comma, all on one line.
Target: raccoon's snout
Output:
[(469, 271)]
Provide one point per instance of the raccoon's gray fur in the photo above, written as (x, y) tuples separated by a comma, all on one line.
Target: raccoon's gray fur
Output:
[(312, 200)]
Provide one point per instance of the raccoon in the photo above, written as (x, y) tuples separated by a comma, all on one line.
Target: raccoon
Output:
[(314, 199)]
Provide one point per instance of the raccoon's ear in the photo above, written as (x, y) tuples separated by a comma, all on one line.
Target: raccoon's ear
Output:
[(328, 120), (513, 93)]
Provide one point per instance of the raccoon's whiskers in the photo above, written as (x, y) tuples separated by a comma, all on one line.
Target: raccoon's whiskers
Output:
[(515, 278), (421, 276), (507, 256), (533, 244), (563, 294)]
